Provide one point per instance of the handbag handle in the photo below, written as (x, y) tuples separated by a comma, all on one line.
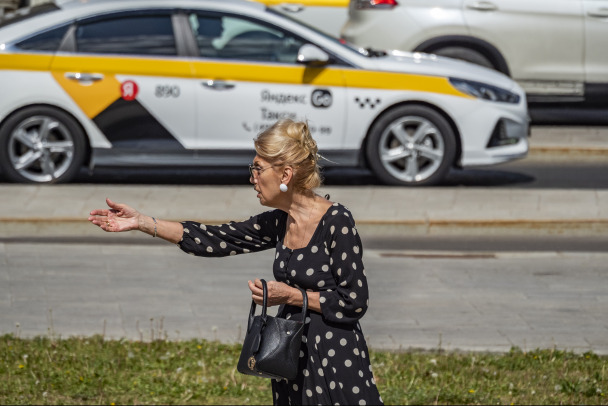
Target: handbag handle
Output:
[(304, 304), (265, 303), (265, 300)]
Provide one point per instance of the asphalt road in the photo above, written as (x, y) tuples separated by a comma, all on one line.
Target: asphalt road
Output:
[(567, 114), (525, 173)]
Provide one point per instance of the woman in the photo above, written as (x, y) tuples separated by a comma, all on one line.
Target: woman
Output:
[(317, 249)]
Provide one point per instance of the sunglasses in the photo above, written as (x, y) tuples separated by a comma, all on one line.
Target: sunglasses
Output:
[(255, 170)]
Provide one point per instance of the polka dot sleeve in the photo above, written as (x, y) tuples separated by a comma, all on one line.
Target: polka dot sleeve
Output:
[(256, 234), (349, 301)]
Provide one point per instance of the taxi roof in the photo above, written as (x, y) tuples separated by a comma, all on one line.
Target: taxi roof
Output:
[(113, 4), (29, 20)]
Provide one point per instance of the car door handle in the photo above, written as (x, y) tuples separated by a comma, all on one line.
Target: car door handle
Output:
[(600, 13), (218, 84), (84, 77), (291, 8), (482, 6)]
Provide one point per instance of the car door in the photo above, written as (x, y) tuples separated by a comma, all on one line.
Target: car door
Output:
[(541, 40), (124, 71), (596, 35), (248, 78)]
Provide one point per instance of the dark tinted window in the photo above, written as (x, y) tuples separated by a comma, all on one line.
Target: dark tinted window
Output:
[(46, 41), (136, 35), (233, 37)]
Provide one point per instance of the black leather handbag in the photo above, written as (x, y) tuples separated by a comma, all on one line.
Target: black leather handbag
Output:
[(272, 345)]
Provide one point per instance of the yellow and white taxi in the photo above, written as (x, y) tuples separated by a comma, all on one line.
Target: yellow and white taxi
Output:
[(191, 83)]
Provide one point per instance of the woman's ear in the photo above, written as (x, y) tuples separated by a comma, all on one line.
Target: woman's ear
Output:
[(287, 175)]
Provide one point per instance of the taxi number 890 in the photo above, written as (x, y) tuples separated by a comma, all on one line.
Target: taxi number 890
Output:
[(166, 91)]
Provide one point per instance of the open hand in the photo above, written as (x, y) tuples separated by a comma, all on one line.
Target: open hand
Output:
[(119, 217)]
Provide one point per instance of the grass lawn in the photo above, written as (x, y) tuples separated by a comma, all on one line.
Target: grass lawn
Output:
[(96, 371)]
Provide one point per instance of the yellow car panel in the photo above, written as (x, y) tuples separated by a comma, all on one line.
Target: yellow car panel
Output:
[(105, 93)]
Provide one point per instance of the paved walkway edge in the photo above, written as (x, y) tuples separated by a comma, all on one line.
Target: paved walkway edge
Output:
[(37, 227)]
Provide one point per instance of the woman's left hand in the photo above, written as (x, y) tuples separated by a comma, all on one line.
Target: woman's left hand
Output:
[(278, 292)]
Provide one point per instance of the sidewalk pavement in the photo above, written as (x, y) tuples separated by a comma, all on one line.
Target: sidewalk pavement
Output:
[(418, 300), (563, 142), (62, 210)]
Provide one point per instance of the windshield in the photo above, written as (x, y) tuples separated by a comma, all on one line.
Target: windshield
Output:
[(27, 12), (340, 41)]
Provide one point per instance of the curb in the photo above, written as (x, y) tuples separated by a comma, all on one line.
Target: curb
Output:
[(544, 227), (62, 227), (564, 153)]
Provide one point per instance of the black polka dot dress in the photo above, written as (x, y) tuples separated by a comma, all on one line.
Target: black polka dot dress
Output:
[(334, 358)]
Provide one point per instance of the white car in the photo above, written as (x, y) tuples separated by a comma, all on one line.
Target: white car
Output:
[(191, 83), (555, 49), (327, 15)]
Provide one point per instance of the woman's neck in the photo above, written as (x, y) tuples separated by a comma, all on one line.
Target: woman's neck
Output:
[(302, 206)]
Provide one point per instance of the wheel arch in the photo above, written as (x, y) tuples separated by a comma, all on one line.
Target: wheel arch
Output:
[(87, 158), (484, 47), (362, 152)]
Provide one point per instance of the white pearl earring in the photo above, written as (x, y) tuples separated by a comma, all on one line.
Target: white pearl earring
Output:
[(283, 187)]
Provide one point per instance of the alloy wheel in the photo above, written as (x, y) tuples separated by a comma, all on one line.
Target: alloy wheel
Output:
[(41, 148), (411, 148)]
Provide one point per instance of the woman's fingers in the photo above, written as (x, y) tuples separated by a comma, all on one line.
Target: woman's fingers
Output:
[(278, 292), (256, 294), (101, 222), (112, 204), (103, 217), (98, 217), (114, 207), (255, 289)]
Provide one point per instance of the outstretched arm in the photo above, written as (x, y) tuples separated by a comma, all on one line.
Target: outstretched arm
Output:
[(120, 217)]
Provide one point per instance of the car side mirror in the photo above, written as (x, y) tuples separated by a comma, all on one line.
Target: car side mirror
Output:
[(309, 54)]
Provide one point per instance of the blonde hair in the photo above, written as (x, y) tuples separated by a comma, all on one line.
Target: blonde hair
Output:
[(289, 142)]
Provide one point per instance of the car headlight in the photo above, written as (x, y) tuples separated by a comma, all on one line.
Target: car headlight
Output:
[(485, 91)]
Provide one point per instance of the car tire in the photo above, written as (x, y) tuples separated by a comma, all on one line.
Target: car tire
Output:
[(465, 54), (41, 145), (411, 145)]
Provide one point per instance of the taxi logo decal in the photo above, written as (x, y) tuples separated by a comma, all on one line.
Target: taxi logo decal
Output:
[(282, 98), (364, 102), (321, 98), (128, 90)]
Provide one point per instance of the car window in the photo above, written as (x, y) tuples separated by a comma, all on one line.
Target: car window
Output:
[(233, 37), (346, 45), (45, 41), (135, 35)]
